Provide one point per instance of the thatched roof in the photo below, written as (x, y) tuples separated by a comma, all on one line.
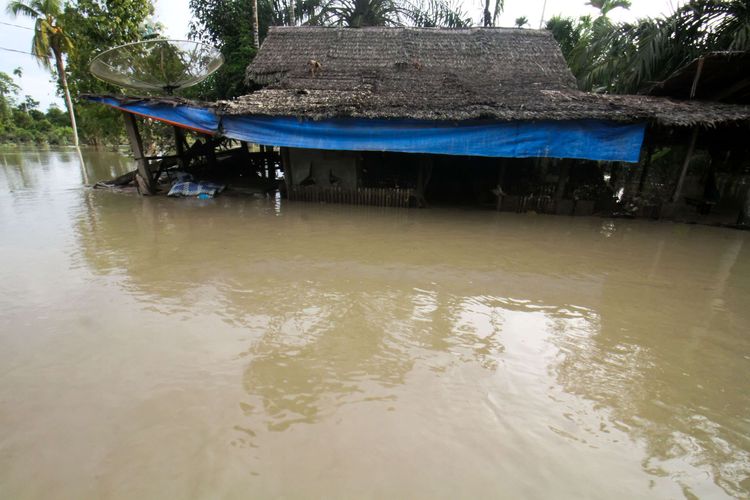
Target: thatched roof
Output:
[(439, 74), (721, 76)]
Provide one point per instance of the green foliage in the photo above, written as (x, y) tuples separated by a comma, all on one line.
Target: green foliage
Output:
[(438, 13), (50, 39), (23, 122), (97, 25), (630, 57), (50, 42), (605, 6), (360, 13), (216, 24), (522, 21)]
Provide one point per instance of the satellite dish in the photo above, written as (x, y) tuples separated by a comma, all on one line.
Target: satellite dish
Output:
[(157, 65)]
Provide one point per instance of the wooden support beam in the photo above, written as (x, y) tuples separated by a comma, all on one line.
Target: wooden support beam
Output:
[(685, 165), (179, 140), (144, 180), (562, 179), (646, 164), (286, 167), (211, 151), (500, 178), (423, 178)]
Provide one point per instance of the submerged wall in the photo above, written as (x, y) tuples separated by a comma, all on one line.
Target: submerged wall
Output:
[(324, 168)]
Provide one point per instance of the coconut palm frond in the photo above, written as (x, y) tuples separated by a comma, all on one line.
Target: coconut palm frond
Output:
[(17, 8), (40, 43), (499, 7)]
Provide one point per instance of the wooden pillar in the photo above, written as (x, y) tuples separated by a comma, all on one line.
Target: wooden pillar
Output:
[(211, 151), (562, 179), (286, 167), (500, 178), (646, 164), (179, 139), (685, 165), (423, 178), (146, 182)]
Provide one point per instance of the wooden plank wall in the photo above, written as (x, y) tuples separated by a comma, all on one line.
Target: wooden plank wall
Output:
[(379, 197)]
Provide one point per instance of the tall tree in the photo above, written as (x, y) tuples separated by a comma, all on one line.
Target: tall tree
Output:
[(49, 41), (98, 25), (360, 13), (605, 6), (438, 13)]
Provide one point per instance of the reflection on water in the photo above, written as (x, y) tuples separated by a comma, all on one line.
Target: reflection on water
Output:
[(207, 348)]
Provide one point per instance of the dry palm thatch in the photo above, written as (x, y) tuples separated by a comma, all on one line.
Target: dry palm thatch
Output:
[(439, 74)]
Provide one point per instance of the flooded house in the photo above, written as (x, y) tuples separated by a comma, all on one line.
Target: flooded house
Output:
[(407, 116)]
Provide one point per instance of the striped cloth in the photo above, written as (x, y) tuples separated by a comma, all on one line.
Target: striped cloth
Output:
[(200, 189)]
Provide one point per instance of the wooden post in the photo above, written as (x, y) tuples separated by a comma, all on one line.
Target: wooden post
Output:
[(179, 139), (286, 167), (646, 165), (500, 178), (685, 164), (211, 151), (146, 182), (423, 178), (562, 179)]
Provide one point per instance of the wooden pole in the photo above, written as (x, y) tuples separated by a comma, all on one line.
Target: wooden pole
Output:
[(562, 179), (646, 164), (500, 178), (256, 36), (685, 164), (146, 182), (423, 178), (179, 139)]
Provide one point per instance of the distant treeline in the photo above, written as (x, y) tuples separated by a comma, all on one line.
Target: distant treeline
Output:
[(21, 121)]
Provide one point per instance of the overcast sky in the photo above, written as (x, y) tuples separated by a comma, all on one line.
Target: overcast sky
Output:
[(175, 16)]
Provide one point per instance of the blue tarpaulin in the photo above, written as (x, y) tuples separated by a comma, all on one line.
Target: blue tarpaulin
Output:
[(582, 139), (192, 117)]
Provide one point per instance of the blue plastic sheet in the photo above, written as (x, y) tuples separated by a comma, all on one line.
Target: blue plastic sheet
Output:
[(199, 119), (583, 139)]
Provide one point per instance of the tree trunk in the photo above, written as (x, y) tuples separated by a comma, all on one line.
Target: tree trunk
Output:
[(292, 16), (66, 91), (256, 36)]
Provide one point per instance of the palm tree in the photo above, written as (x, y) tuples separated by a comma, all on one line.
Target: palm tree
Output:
[(49, 41), (489, 16), (522, 21), (360, 13), (437, 13), (605, 6), (636, 55)]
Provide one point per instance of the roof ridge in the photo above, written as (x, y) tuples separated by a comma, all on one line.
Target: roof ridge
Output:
[(525, 31)]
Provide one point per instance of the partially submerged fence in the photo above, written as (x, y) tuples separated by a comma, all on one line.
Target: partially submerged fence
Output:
[(379, 197)]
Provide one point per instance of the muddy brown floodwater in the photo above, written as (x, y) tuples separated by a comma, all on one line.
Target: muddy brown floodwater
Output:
[(244, 347)]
